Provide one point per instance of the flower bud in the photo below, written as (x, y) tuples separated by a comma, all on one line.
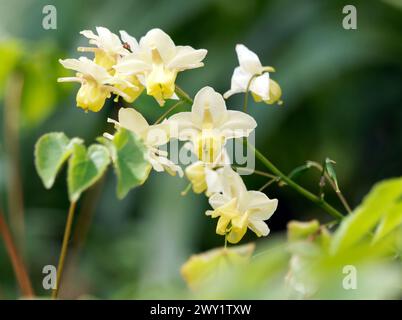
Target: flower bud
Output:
[(92, 96)]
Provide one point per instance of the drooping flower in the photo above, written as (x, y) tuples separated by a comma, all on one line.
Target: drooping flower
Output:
[(209, 124), (251, 76), (204, 178), (96, 83), (108, 48), (158, 59), (239, 209), (153, 137)]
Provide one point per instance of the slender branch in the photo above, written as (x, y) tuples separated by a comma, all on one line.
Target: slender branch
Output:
[(333, 185), (64, 247), (83, 224), (163, 116), (16, 260), (307, 194), (269, 182), (183, 95), (12, 108), (257, 172)]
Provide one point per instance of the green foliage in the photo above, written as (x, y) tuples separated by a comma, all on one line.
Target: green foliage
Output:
[(51, 151), (313, 262), (129, 160), (85, 167), (383, 202)]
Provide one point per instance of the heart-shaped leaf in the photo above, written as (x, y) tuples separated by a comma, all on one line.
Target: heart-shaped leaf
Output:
[(85, 167), (51, 151), (129, 160)]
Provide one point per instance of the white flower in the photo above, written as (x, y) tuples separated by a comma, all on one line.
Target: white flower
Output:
[(239, 209), (158, 59), (209, 124), (153, 137), (108, 49), (252, 76), (96, 83)]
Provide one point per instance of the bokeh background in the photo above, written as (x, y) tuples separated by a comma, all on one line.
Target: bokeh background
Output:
[(342, 99)]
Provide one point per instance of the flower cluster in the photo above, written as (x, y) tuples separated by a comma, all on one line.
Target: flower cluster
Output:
[(125, 67)]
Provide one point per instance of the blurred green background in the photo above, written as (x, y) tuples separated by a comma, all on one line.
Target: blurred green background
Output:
[(342, 99)]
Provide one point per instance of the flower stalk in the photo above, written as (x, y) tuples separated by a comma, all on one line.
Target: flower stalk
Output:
[(307, 194), (64, 247)]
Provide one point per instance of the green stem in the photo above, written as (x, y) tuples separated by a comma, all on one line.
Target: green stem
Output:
[(266, 185), (307, 194), (64, 247), (183, 95), (257, 172), (246, 93), (163, 116)]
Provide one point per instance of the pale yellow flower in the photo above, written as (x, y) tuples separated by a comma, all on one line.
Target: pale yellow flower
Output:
[(251, 75), (96, 83), (209, 125), (108, 48), (239, 209), (158, 60)]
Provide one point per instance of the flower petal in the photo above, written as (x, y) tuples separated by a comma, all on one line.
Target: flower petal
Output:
[(131, 64), (237, 124), (187, 58), (260, 228), (182, 126), (158, 39), (208, 100), (260, 86), (133, 120), (248, 60), (259, 205), (87, 67), (131, 41), (239, 82), (217, 200)]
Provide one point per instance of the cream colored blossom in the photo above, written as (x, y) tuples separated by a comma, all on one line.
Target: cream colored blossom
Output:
[(251, 76), (239, 209), (108, 47), (158, 60), (96, 83), (209, 124)]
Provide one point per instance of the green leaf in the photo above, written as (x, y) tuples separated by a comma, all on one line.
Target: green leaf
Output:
[(205, 268), (381, 201), (331, 171), (391, 221), (51, 151), (85, 167), (129, 159)]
